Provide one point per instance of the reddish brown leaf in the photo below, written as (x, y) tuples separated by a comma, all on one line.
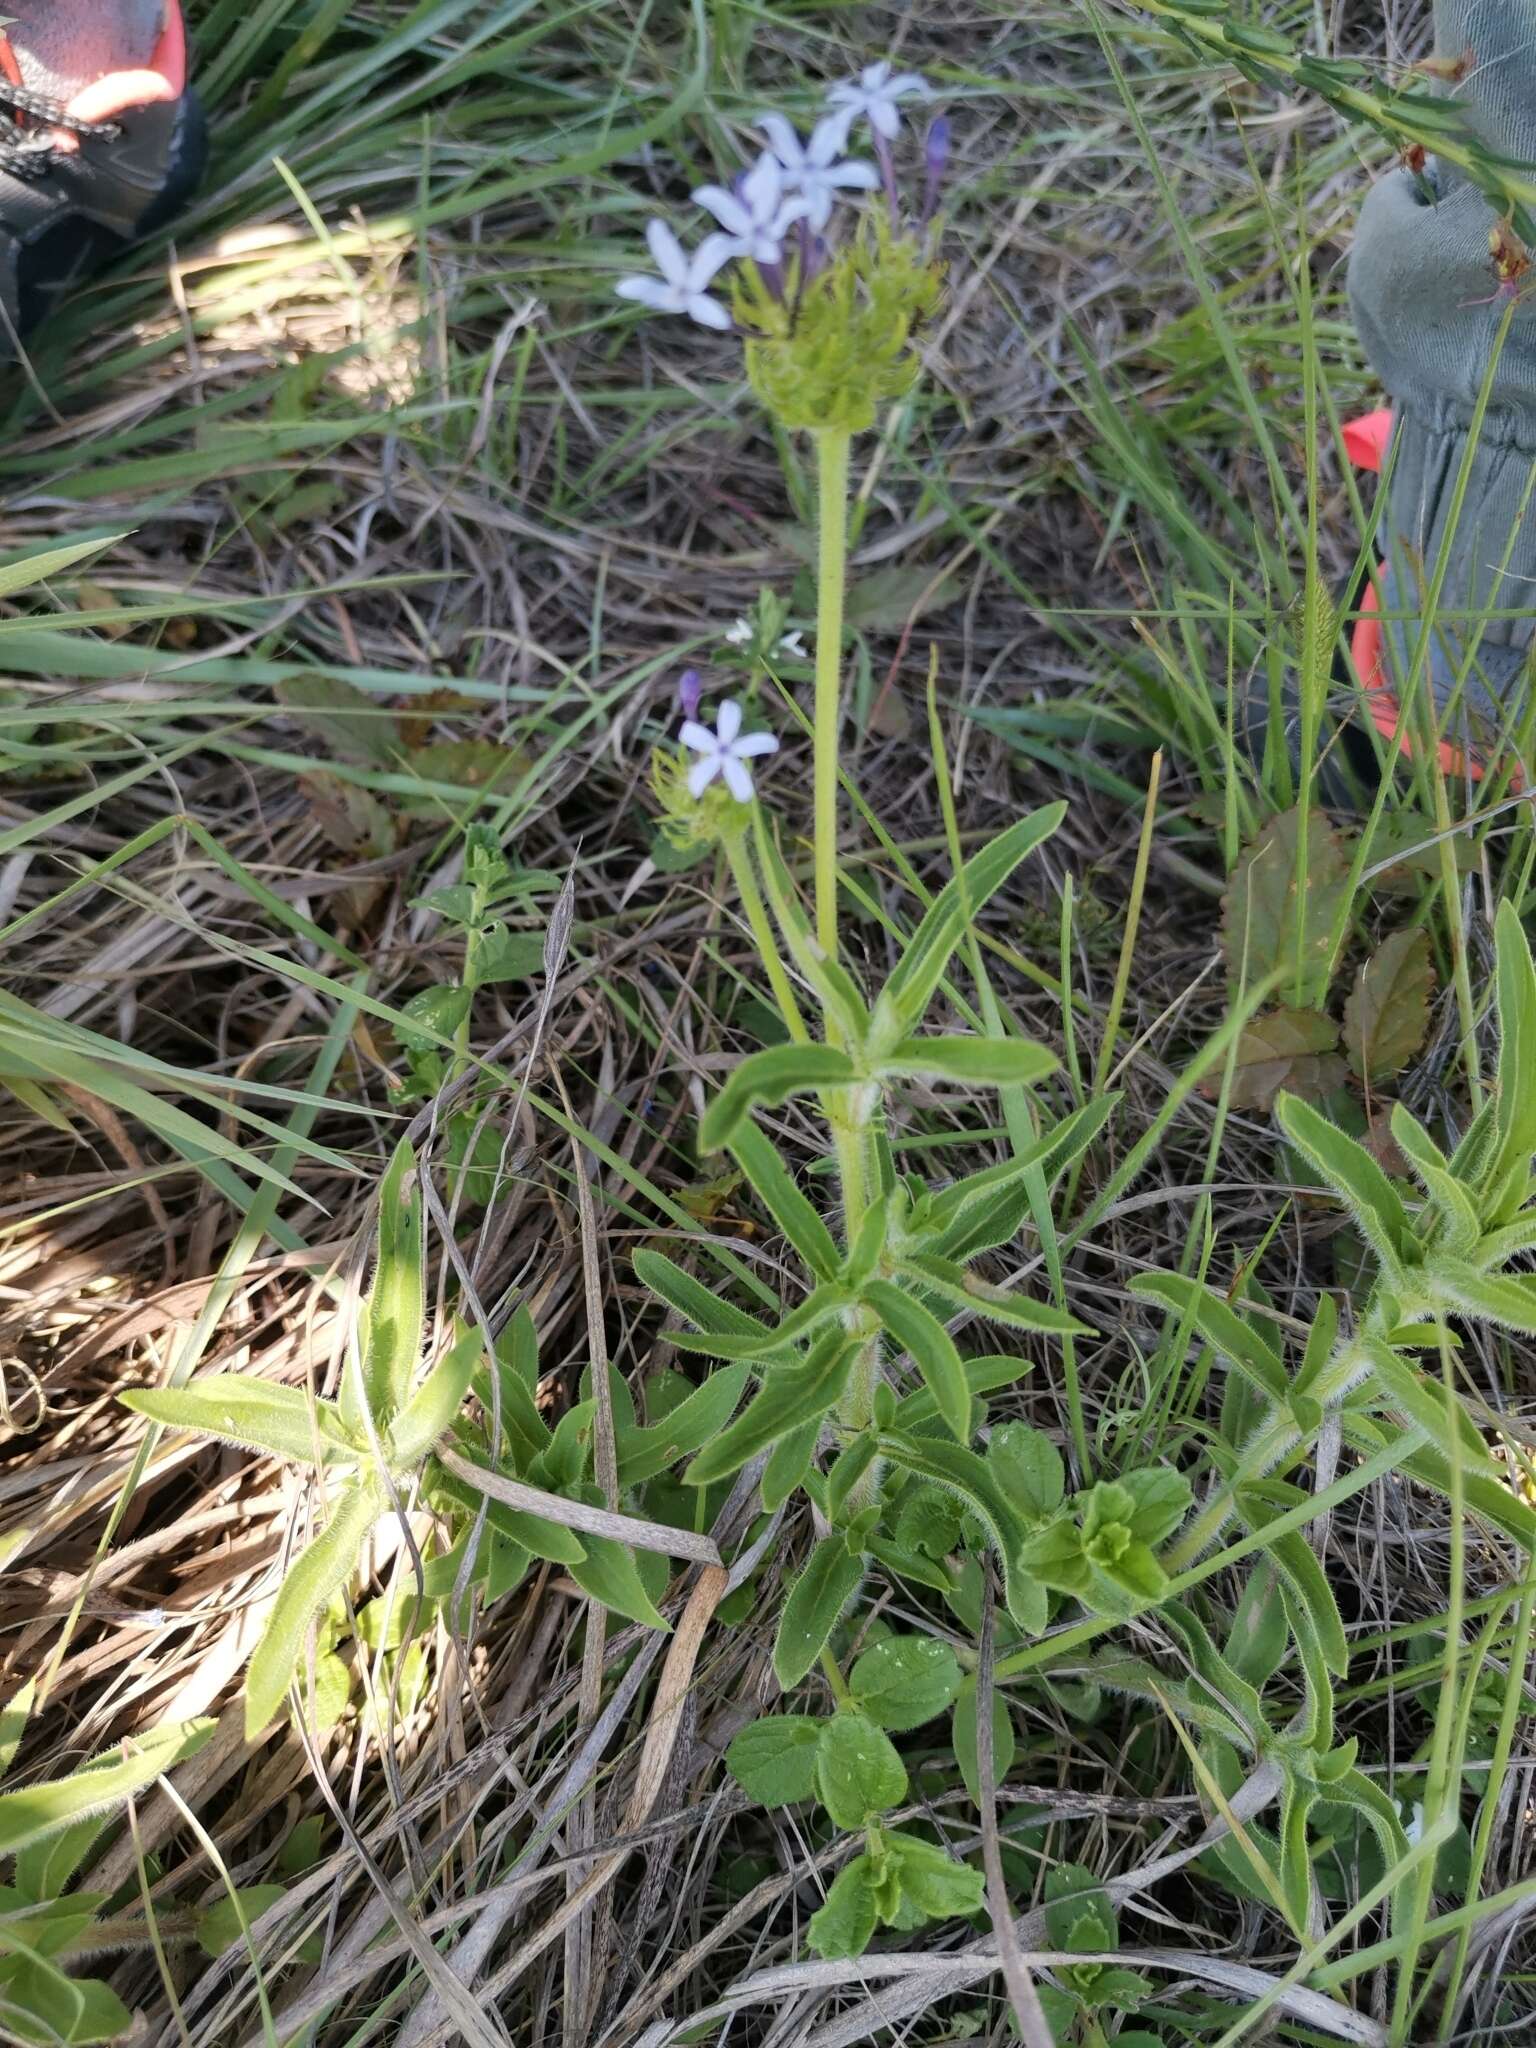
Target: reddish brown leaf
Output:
[(1387, 1014), (1292, 1049), (1382, 1146), (1266, 922)]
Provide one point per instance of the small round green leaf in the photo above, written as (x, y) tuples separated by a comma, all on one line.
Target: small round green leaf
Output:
[(905, 1680), (774, 1760), (858, 1773), (844, 1926)]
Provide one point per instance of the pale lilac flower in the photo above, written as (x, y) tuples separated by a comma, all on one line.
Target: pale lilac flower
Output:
[(816, 170), (680, 287), (875, 95), (758, 212), (725, 752), (689, 690)]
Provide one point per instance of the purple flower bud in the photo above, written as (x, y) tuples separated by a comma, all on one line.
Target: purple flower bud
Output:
[(689, 690), (935, 163), (936, 147)]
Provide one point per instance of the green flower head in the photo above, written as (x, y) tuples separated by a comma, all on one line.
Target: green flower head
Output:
[(837, 343)]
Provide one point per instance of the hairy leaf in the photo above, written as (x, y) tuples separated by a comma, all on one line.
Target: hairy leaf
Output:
[(829, 1581), (921, 968), (774, 1186), (790, 1396), (32, 1812), (858, 1773), (773, 1760), (845, 1924), (315, 1575), (1029, 1468), (977, 1062), (771, 1077), (905, 1680), (1354, 1176), (258, 1415), (931, 1348), (435, 1403)]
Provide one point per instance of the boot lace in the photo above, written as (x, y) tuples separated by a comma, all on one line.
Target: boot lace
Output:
[(29, 125)]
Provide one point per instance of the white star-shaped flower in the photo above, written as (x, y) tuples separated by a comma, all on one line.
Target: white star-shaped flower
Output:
[(725, 752), (876, 95), (681, 285), (740, 635), (758, 212), (815, 169)]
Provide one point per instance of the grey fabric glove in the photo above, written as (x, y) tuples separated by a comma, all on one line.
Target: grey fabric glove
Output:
[(1420, 280)]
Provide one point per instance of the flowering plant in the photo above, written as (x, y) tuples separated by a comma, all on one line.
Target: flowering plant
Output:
[(864, 1407)]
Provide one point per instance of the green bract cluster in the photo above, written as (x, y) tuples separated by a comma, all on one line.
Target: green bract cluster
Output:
[(687, 822), (838, 345)]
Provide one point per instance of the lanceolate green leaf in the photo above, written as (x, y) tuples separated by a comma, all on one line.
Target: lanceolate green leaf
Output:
[(932, 1350), (436, 1401), (979, 1062), (1223, 1329), (1424, 1401), (550, 1540), (1296, 1561), (791, 1396), (609, 1573), (317, 1573), (258, 1415), (975, 1195), (821, 1303), (1019, 1311), (910, 988), (41, 563), (770, 1077), (981, 1376), (1354, 1175), (13, 1723), (691, 1298), (787, 1464), (397, 1299), (32, 1812), (694, 1421), (1460, 1226), (816, 1599), (1509, 1161), (774, 1186), (1506, 1299)]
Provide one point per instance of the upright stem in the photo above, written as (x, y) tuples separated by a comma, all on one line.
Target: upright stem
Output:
[(740, 861), (831, 573)]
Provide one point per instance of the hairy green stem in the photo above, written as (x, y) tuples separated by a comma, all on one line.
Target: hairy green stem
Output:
[(832, 445)]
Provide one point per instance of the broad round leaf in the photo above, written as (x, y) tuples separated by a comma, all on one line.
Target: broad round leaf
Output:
[(905, 1680)]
